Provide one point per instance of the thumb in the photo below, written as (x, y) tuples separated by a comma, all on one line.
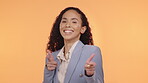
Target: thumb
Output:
[(90, 58)]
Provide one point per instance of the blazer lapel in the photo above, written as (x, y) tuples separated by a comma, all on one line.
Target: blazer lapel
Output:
[(73, 61)]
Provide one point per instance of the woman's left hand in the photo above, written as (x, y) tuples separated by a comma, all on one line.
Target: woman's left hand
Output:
[(90, 66)]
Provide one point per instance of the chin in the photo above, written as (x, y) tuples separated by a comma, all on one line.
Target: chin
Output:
[(68, 39)]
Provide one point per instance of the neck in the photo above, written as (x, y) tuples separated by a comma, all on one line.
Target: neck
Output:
[(68, 45)]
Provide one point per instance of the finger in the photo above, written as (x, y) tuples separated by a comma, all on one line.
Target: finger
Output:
[(90, 69), (50, 57), (47, 51), (89, 72), (89, 66), (51, 68), (52, 63), (92, 64), (90, 58), (47, 56)]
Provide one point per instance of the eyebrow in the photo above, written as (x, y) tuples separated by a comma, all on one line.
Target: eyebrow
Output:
[(72, 18)]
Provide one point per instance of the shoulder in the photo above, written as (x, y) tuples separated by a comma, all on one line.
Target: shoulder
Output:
[(91, 47), (88, 50)]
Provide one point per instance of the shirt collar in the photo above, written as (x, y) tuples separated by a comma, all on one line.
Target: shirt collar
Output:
[(61, 57)]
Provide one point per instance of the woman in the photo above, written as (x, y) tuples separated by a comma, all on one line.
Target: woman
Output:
[(71, 56)]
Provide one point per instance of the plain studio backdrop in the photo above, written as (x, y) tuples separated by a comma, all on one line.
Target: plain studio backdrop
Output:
[(120, 29)]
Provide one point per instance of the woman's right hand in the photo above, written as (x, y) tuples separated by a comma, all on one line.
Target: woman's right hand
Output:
[(51, 64)]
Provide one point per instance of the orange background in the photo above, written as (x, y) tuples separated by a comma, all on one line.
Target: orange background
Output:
[(120, 29)]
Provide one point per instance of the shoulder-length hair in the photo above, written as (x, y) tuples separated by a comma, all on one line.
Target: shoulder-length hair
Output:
[(56, 41)]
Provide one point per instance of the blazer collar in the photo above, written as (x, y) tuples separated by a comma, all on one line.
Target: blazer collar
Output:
[(73, 61), (72, 64)]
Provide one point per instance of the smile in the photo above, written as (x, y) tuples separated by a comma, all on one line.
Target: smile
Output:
[(68, 31)]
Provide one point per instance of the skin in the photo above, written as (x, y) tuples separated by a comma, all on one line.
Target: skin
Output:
[(71, 30)]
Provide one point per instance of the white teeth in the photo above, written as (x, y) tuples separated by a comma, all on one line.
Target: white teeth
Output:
[(67, 31)]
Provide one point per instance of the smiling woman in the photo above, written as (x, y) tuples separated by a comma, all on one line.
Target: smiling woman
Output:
[(119, 28), (71, 56), (70, 26)]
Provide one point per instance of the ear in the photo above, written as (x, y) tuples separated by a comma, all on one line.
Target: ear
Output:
[(83, 29)]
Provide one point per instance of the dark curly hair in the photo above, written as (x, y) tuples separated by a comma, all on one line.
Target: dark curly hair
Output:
[(56, 41)]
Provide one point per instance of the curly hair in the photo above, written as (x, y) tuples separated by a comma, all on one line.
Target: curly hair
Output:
[(56, 41)]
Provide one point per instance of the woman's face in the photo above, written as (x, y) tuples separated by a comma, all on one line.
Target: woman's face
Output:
[(71, 26)]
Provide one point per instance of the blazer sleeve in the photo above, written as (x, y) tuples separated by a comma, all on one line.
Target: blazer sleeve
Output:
[(48, 75), (98, 76)]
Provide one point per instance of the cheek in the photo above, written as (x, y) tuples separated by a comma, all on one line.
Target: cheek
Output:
[(76, 25), (60, 28), (62, 25)]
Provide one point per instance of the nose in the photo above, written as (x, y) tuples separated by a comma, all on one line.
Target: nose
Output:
[(68, 25)]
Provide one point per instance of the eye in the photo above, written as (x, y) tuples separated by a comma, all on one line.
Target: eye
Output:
[(63, 21), (74, 22)]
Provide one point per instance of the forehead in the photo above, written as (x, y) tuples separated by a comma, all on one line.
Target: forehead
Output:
[(71, 14)]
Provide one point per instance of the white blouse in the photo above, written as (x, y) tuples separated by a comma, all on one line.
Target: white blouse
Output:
[(64, 62)]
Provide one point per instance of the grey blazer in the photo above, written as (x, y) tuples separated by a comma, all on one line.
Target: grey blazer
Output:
[(75, 71)]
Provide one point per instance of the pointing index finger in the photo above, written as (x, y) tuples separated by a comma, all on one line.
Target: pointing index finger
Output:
[(90, 58), (50, 56)]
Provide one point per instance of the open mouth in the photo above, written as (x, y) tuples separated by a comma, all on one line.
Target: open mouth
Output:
[(68, 31)]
